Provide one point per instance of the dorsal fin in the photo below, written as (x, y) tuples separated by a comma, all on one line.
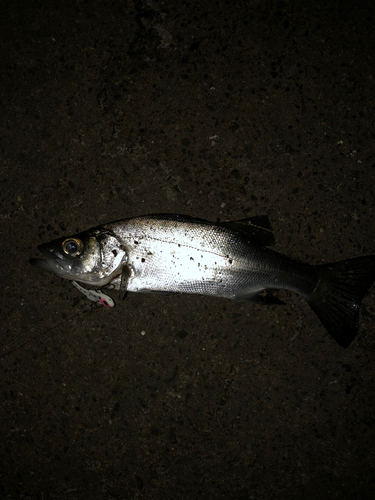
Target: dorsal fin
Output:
[(258, 227)]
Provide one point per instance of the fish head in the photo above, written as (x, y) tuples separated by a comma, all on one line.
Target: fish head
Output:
[(93, 257)]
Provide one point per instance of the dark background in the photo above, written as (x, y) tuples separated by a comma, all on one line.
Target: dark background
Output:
[(214, 109)]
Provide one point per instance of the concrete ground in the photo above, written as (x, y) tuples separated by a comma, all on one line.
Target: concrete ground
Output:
[(212, 109)]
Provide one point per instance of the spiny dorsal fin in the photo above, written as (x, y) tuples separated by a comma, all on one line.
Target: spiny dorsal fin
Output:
[(258, 227)]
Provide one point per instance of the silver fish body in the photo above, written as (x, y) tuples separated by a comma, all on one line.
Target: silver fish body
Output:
[(179, 254), (183, 255)]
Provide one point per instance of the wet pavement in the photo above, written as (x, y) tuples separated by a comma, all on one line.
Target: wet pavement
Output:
[(211, 109)]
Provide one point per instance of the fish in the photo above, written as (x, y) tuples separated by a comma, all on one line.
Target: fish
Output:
[(170, 253)]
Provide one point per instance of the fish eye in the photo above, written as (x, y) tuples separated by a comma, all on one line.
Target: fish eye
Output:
[(72, 247)]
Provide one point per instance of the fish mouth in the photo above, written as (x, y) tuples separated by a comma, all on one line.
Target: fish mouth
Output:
[(49, 264), (42, 264)]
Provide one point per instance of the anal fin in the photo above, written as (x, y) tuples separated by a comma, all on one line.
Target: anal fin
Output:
[(263, 297)]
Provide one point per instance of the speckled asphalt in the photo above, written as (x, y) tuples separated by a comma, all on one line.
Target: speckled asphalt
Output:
[(212, 109)]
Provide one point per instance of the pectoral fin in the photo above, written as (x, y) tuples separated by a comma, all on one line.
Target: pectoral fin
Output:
[(125, 275)]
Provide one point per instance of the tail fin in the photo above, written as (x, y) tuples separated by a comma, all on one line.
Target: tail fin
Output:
[(339, 293)]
